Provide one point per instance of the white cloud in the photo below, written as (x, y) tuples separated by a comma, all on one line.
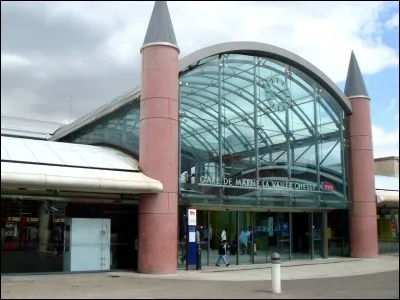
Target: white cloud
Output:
[(386, 143), (392, 105), (10, 61), (393, 22), (322, 32)]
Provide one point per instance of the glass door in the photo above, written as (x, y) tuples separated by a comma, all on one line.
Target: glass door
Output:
[(271, 234), (278, 235), (317, 236), (245, 250), (203, 224), (223, 226), (301, 238), (262, 236), (283, 236)]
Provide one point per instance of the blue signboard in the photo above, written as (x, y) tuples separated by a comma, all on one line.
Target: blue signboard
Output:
[(192, 248), (191, 261)]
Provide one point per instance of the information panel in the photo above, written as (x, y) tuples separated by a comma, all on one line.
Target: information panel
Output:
[(191, 261)]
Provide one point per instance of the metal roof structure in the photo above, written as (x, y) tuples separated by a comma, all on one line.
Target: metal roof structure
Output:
[(268, 51), (55, 165), (130, 96), (160, 29), (193, 61), (28, 128), (355, 86)]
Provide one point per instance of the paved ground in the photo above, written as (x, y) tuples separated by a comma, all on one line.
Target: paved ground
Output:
[(334, 267), (215, 283), (374, 286)]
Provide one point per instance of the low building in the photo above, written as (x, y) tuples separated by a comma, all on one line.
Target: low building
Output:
[(387, 166), (257, 140)]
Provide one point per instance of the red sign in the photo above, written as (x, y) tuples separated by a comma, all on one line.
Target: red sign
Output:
[(327, 186)]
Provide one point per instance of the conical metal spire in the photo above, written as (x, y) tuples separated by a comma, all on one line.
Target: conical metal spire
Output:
[(355, 86), (160, 29)]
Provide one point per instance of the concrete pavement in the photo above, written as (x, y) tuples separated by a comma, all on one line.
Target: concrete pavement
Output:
[(331, 279), (307, 269)]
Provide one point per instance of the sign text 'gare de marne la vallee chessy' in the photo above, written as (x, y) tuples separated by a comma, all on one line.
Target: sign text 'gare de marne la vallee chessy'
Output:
[(267, 184)]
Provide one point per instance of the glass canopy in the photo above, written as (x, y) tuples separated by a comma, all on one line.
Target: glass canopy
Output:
[(253, 131), (256, 131)]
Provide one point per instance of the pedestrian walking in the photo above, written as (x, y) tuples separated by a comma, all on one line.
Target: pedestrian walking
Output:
[(222, 253)]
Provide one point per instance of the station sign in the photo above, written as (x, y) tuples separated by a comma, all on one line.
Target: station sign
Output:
[(326, 186)]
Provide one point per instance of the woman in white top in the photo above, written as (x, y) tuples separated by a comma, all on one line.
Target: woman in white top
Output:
[(223, 234)]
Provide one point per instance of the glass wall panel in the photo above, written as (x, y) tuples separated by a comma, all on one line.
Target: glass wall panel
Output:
[(271, 234), (338, 233), (245, 249), (120, 129), (301, 241), (39, 236), (238, 95), (223, 224), (259, 237), (254, 132), (388, 230), (33, 236), (283, 236), (317, 235), (204, 230), (331, 152)]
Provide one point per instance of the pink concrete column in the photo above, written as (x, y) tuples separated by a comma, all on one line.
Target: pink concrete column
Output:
[(158, 153), (363, 221)]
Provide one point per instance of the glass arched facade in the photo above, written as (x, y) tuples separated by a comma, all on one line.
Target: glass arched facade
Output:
[(261, 140), (254, 131), (258, 132)]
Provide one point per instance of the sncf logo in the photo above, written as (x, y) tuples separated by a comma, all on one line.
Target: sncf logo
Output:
[(327, 186), (192, 213)]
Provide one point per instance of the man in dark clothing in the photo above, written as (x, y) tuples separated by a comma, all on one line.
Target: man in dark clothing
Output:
[(222, 253)]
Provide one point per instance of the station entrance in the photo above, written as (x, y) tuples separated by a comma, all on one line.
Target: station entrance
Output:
[(254, 235)]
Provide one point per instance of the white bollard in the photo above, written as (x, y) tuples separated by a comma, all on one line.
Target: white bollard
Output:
[(276, 273)]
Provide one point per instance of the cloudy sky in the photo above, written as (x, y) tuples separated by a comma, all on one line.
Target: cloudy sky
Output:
[(86, 53)]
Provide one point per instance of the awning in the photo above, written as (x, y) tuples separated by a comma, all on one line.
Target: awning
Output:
[(45, 165), (387, 198), (48, 177)]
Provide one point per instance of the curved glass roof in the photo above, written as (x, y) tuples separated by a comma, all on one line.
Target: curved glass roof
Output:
[(268, 51), (242, 113), (235, 96), (306, 74)]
